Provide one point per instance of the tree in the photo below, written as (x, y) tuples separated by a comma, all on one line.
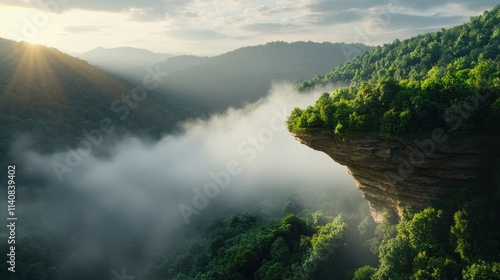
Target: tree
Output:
[(364, 273)]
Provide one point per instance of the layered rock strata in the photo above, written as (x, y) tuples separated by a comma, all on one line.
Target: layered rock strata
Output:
[(393, 172)]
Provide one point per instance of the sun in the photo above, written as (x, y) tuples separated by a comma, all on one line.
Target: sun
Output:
[(34, 74)]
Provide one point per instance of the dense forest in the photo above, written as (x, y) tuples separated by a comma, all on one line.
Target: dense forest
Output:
[(52, 103), (454, 241), (457, 239), (448, 79), (467, 44), (445, 79), (329, 240), (453, 97), (54, 97)]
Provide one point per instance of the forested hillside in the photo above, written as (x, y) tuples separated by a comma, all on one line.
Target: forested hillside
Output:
[(478, 40), (447, 79), (325, 241), (54, 98), (167, 67), (454, 241), (119, 59), (245, 75), (182, 168)]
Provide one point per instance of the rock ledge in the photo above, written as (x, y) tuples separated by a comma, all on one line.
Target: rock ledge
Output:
[(393, 172)]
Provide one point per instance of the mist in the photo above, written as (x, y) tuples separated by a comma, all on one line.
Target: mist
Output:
[(150, 192)]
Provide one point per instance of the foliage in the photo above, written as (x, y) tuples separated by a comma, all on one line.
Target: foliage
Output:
[(57, 100), (304, 246), (364, 273), (477, 40), (245, 75), (448, 79), (455, 99), (459, 241), (54, 97)]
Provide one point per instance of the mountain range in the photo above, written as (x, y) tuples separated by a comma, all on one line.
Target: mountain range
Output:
[(55, 97), (119, 59), (245, 75)]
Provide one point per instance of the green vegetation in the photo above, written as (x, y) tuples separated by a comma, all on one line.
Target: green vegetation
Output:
[(434, 80), (245, 75), (54, 97), (445, 79), (310, 244), (453, 97), (448, 79), (458, 240), (478, 40)]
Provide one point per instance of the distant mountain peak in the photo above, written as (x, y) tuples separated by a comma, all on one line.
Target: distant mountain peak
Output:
[(121, 58)]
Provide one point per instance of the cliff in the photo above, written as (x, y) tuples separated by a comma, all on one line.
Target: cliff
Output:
[(393, 172)]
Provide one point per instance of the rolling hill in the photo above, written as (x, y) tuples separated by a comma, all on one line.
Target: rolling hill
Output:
[(245, 75), (119, 59), (476, 40), (418, 131), (54, 98)]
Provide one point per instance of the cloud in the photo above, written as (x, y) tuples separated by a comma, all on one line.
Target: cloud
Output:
[(327, 6), (402, 21), (271, 28), (143, 10), (224, 24), (288, 16), (326, 19), (142, 185), (82, 29), (271, 11), (428, 5), (326, 11), (196, 34), (323, 6)]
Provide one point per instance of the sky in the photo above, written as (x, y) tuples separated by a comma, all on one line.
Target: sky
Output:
[(217, 26)]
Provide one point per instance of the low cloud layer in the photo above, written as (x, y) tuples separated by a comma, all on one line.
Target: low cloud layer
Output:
[(253, 140), (228, 163)]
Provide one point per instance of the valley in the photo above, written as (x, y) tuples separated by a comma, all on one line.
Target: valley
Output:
[(148, 158)]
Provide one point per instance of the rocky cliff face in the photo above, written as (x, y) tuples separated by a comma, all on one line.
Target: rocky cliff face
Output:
[(395, 172)]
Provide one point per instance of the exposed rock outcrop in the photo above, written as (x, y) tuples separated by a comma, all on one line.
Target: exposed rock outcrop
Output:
[(393, 172)]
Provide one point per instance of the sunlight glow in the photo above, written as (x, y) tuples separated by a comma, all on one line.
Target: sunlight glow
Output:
[(35, 75)]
